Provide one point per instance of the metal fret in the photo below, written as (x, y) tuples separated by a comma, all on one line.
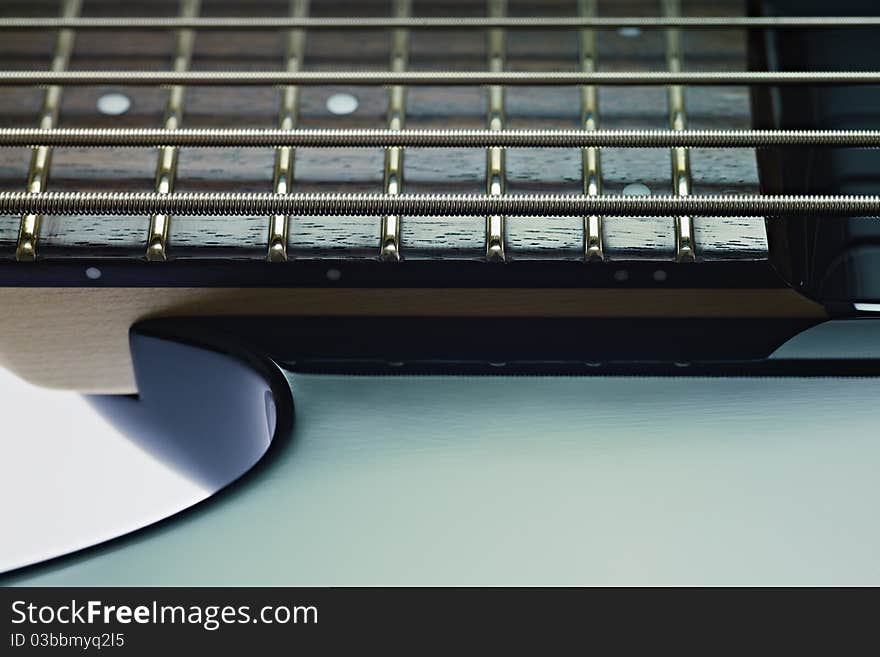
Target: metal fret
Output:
[(592, 173), (284, 155), (432, 138), (41, 158), (427, 205), (442, 22), (389, 237), (685, 244), (266, 236), (166, 169), (496, 182), (438, 78)]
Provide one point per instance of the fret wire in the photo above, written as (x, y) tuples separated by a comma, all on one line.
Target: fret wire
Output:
[(442, 22), (261, 204), (496, 181), (592, 172), (389, 235), (41, 157), (279, 224), (433, 138), (19, 78), (685, 244), (166, 167), (680, 129)]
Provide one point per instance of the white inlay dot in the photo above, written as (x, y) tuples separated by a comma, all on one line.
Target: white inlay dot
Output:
[(114, 104), (93, 273), (342, 104), (636, 189), (629, 31), (333, 274)]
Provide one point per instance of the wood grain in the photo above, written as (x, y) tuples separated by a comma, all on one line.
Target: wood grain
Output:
[(449, 170), (77, 338)]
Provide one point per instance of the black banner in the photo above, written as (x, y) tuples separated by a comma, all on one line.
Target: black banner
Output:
[(180, 620)]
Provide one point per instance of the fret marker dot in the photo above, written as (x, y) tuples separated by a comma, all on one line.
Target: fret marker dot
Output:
[(621, 275), (636, 189), (629, 31), (660, 275), (114, 104), (93, 273), (342, 104), (333, 274)]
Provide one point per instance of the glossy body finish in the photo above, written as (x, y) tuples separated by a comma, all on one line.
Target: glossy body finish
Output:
[(833, 258), (566, 481), (209, 411)]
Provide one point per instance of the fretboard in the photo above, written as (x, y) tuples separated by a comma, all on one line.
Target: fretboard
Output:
[(402, 49)]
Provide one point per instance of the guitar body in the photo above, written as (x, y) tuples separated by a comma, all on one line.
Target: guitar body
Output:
[(186, 323)]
